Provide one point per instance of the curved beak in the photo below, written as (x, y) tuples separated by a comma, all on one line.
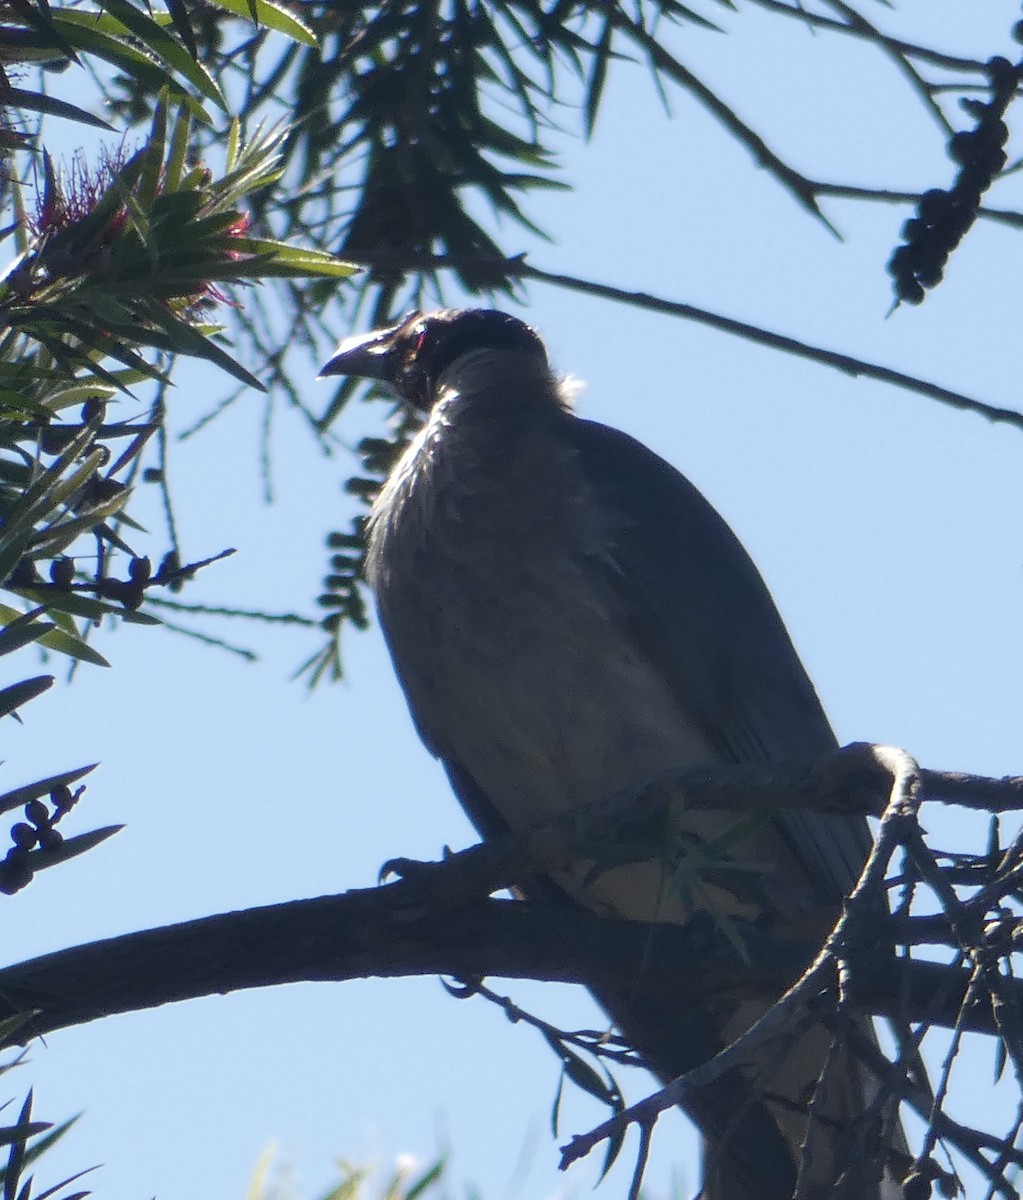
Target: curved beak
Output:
[(367, 355)]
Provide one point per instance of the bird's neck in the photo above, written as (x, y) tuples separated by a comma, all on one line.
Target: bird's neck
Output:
[(497, 392), (489, 457)]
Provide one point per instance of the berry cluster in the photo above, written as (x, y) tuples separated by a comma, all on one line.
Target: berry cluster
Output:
[(37, 832), (944, 217), (85, 511), (129, 592)]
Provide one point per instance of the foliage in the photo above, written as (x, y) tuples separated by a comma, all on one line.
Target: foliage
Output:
[(404, 121), (419, 127), (26, 1142), (357, 1182), (117, 268)]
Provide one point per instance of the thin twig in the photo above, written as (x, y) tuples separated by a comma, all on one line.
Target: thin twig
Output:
[(938, 58), (899, 816), (797, 184), (646, 1133), (849, 365), (859, 24)]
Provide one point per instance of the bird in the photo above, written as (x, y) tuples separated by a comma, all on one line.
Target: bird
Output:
[(570, 618)]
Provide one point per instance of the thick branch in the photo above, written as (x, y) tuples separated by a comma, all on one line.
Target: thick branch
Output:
[(392, 931), (437, 920)]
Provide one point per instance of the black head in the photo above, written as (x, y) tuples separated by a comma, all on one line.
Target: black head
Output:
[(411, 356)]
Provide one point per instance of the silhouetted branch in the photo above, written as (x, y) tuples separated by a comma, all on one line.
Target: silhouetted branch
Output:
[(665, 63), (518, 268), (927, 54), (397, 930), (822, 994), (437, 920), (792, 1007), (440, 919)]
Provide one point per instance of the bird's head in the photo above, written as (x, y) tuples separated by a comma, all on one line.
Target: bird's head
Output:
[(409, 358)]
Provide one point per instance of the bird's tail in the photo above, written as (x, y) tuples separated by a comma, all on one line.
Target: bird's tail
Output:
[(797, 1121)]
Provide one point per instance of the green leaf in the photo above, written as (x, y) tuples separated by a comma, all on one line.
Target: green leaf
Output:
[(38, 102), (73, 646), (234, 139), (23, 46), (287, 260), (40, 18), (167, 47), (272, 16), (63, 489), (77, 392), (432, 1175), (21, 629), (35, 502), (96, 344), (187, 340), (181, 25), (58, 536), (179, 140), (152, 163), (177, 208), (85, 606), (92, 33)]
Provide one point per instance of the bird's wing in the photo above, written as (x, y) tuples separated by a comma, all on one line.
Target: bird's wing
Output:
[(703, 616)]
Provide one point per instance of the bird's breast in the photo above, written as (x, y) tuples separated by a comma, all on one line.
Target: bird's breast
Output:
[(493, 588)]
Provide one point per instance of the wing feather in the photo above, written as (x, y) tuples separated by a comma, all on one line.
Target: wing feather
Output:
[(701, 611)]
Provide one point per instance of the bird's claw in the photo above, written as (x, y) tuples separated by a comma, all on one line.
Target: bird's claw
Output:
[(405, 868)]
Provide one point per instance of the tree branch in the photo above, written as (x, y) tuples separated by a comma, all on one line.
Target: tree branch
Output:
[(518, 268), (393, 931), (437, 919)]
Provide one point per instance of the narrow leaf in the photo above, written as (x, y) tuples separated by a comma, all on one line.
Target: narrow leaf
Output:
[(273, 16), (85, 606), (37, 102), (164, 45), (13, 697), (21, 629), (73, 646), (42, 787), (291, 260), (72, 847)]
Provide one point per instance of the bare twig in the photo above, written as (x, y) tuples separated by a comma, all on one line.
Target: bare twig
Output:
[(859, 24), (927, 54), (517, 268), (899, 815)]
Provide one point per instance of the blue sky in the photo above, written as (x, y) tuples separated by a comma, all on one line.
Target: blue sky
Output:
[(887, 526)]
